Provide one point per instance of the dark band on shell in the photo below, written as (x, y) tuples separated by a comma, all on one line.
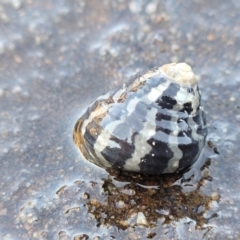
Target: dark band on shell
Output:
[(154, 124)]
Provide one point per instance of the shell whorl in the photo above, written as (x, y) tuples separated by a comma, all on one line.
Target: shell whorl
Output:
[(154, 124)]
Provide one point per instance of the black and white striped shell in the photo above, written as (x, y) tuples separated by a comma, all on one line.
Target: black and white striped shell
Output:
[(154, 124)]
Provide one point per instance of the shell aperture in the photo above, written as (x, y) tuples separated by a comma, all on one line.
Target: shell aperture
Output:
[(154, 124)]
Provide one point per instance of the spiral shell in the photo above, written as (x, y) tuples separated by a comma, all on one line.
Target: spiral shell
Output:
[(154, 124)]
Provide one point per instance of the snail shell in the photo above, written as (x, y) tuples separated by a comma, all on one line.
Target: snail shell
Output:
[(154, 124)]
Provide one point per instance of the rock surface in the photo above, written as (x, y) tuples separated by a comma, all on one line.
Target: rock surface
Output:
[(58, 56)]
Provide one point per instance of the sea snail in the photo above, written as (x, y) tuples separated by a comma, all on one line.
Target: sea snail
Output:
[(154, 124)]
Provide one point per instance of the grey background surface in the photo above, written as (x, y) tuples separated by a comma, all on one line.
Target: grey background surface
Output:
[(58, 56)]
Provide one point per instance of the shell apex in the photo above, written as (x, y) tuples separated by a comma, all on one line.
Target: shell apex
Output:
[(179, 72)]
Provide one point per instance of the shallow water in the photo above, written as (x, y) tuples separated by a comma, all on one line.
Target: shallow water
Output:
[(58, 56)]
